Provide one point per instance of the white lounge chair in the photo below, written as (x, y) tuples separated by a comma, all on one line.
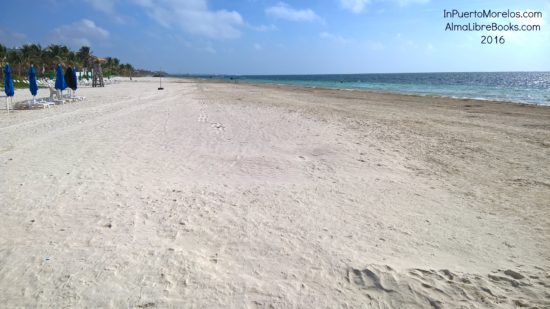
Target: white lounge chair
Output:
[(55, 95), (70, 96), (43, 102), (74, 97)]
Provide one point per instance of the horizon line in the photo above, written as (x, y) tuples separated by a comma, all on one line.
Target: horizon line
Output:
[(302, 74)]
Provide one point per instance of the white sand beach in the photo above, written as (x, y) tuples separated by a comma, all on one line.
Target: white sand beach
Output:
[(224, 195)]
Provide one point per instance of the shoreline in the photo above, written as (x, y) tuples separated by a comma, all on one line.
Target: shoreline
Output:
[(360, 92), (254, 82)]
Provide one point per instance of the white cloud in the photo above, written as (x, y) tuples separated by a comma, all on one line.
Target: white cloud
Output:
[(106, 6), (80, 33), (264, 28), (358, 6), (407, 2), (333, 37), (430, 48), (12, 39), (375, 45), (209, 49), (194, 16), (285, 11), (258, 46)]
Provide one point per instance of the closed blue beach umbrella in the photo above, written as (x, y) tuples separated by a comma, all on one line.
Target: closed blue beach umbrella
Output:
[(75, 79), (60, 83), (69, 78), (8, 81), (8, 85), (33, 86)]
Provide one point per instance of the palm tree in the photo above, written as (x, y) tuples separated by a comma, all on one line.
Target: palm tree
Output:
[(116, 63), (15, 58), (72, 59), (85, 56), (57, 53), (109, 64), (25, 56), (122, 69), (36, 53), (3, 52), (31, 54), (127, 69)]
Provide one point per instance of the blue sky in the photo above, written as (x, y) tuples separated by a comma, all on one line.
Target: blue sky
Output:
[(281, 37)]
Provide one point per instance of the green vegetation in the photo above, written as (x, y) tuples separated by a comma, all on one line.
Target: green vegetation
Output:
[(21, 58), (17, 84)]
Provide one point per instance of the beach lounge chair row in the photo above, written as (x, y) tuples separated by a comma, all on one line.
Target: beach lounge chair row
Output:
[(56, 96)]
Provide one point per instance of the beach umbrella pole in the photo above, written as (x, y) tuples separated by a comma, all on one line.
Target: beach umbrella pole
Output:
[(33, 102), (8, 99)]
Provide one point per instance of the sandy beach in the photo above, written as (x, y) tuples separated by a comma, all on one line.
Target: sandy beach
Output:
[(227, 195)]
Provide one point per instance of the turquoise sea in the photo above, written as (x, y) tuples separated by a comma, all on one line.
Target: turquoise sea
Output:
[(518, 87)]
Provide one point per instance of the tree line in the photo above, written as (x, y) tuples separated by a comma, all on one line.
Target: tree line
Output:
[(47, 58)]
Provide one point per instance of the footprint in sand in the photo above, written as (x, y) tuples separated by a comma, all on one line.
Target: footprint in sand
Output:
[(203, 117), (218, 126), (389, 288)]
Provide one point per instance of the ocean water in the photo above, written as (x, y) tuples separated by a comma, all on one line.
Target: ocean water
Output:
[(518, 87)]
